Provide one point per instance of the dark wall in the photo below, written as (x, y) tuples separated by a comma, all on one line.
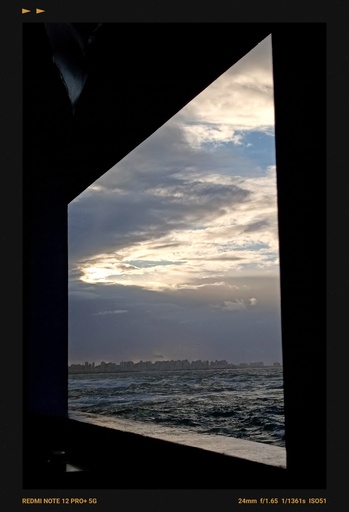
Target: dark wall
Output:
[(300, 130), (130, 91)]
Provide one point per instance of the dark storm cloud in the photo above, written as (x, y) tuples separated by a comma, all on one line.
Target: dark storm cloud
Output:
[(167, 152), (183, 324), (146, 196)]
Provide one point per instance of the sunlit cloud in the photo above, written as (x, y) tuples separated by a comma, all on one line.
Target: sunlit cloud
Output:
[(239, 101), (224, 224)]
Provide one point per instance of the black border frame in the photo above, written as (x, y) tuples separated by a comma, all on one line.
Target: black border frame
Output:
[(336, 293)]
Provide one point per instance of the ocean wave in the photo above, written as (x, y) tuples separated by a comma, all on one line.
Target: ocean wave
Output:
[(230, 403)]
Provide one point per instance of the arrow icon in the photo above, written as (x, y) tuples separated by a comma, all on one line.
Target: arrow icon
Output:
[(25, 11), (39, 11)]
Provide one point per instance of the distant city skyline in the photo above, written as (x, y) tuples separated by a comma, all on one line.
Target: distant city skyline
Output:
[(172, 365), (117, 362), (173, 254)]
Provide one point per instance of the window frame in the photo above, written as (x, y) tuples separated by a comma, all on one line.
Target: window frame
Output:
[(306, 457)]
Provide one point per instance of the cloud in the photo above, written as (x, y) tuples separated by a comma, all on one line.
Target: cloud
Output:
[(159, 356), (194, 223), (114, 312), (236, 305), (207, 323), (81, 294)]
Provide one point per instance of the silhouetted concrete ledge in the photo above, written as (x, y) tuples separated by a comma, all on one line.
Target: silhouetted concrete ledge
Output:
[(231, 446)]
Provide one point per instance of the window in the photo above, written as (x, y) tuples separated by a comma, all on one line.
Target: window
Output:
[(174, 305)]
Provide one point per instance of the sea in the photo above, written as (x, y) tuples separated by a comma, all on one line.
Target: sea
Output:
[(241, 403)]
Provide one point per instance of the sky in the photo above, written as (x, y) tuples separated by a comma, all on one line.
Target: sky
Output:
[(173, 253)]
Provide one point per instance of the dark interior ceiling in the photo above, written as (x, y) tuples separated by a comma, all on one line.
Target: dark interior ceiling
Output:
[(136, 77)]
